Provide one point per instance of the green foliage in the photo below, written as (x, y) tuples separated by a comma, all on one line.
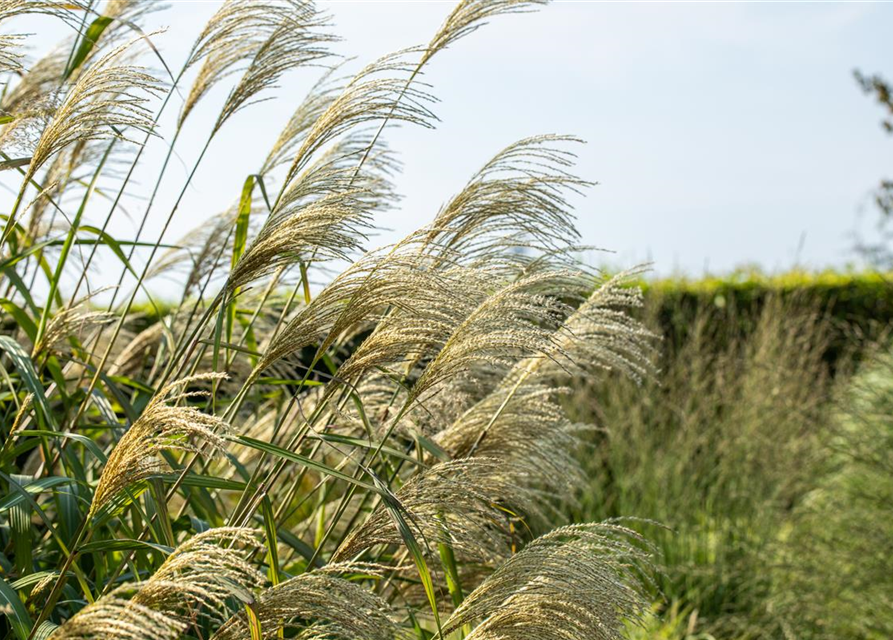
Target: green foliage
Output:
[(761, 452), (718, 449), (835, 577)]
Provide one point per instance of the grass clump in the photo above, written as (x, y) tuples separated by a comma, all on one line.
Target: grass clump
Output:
[(767, 462), (720, 450), (834, 579), (383, 457)]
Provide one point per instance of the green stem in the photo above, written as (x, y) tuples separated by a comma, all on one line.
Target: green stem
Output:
[(83, 535), (69, 241), (11, 220)]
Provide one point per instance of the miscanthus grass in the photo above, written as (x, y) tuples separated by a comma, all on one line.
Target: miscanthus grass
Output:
[(382, 455)]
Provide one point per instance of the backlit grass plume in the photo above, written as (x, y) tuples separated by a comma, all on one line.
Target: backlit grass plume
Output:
[(199, 576), (71, 322), (10, 55), (114, 616), (318, 438), (328, 228), (379, 91), (527, 429), (270, 37), (160, 428), (203, 573), (323, 601), (521, 192), (392, 276), (470, 15), (466, 504), (580, 581), (106, 97)]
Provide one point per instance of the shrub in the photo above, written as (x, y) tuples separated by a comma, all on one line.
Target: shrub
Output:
[(835, 576), (859, 306)]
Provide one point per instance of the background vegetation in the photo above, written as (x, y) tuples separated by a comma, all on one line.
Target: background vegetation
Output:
[(762, 445)]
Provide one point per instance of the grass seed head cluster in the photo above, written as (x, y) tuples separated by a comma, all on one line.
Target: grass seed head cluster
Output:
[(378, 457)]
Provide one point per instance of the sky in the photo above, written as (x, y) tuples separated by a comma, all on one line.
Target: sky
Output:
[(721, 135)]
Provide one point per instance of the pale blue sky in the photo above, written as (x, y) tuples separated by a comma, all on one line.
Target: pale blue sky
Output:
[(720, 134)]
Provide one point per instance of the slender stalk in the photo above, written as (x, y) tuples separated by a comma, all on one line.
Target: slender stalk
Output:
[(60, 264), (99, 367), (11, 219), (81, 538)]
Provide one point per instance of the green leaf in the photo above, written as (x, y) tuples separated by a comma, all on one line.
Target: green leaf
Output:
[(16, 280), (88, 41), (25, 367), (15, 611), (205, 482), (133, 384), (290, 381), (20, 529), (270, 531), (124, 544), (13, 260), (363, 444), (32, 578), (396, 511), (45, 630), (433, 448), (301, 547), (112, 244), (303, 461), (448, 559), (21, 317), (163, 522), (91, 445), (33, 487), (253, 622), (241, 234), (13, 163)]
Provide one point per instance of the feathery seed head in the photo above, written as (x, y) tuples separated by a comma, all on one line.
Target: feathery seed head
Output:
[(463, 503), (470, 15), (380, 91), (199, 575), (106, 99), (203, 572), (322, 602), (137, 455), (270, 37), (71, 322), (576, 582)]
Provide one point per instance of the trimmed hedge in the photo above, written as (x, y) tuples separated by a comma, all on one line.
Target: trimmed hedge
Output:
[(860, 305)]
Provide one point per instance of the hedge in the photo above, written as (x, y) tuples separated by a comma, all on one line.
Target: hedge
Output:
[(860, 305)]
